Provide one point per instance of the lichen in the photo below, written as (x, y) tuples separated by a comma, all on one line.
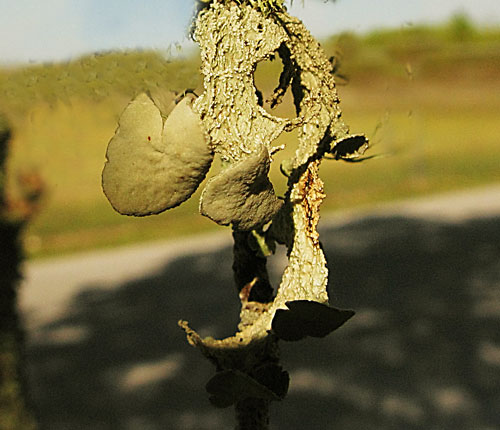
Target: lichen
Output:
[(233, 39), (234, 36), (239, 128), (154, 165), (242, 194)]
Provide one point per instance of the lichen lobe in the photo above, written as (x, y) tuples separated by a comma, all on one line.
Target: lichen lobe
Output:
[(151, 165), (242, 194)]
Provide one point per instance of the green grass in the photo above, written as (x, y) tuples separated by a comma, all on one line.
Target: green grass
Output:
[(429, 92)]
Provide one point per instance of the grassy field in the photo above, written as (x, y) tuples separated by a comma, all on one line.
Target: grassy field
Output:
[(426, 97)]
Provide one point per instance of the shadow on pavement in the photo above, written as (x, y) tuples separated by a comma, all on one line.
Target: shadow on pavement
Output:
[(423, 351)]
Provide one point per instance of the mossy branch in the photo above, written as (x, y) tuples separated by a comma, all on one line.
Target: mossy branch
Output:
[(228, 120)]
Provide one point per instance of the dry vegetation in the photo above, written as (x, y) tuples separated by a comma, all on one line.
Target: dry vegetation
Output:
[(424, 95)]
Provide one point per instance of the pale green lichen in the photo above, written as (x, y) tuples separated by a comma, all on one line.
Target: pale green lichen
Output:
[(238, 127), (234, 36), (151, 165), (233, 39), (242, 194), (264, 6)]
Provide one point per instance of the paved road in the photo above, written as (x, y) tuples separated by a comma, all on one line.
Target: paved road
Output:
[(104, 351), (49, 285)]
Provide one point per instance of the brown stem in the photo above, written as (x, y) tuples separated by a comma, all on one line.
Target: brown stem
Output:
[(248, 266), (252, 414)]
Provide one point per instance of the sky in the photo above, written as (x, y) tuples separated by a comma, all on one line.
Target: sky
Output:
[(33, 31)]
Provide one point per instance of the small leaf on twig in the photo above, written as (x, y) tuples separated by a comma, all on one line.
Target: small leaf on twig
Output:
[(308, 318), (230, 386), (350, 147)]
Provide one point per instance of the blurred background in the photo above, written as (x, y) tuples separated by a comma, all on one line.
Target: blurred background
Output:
[(420, 79)]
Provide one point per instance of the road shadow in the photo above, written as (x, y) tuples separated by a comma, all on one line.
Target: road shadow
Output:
[(423, 351)]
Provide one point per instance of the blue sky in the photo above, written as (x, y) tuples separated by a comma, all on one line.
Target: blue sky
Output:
[(52, 30)]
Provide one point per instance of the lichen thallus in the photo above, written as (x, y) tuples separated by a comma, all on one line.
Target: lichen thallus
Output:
[(155, 164)]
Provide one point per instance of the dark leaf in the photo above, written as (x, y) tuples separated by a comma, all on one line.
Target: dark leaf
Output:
[(273, 377), (230, 386), (308, 318), (351, 147)]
